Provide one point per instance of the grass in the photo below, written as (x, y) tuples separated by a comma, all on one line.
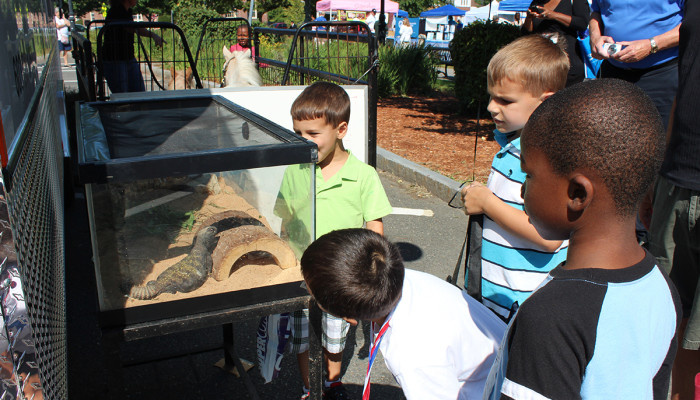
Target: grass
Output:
[(445, 86)]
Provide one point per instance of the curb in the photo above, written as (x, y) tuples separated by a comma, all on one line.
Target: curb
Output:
[(439, 185)]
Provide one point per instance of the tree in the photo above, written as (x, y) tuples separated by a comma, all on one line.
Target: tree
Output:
[(150, 7), (292, 14), (82, 7), (264, 6), (415, 7)]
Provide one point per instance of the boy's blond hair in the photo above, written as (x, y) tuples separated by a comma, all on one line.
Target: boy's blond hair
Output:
[(322, 100), (533, 61)]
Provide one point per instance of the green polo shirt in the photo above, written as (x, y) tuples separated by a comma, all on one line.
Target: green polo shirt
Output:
[(348, 199)]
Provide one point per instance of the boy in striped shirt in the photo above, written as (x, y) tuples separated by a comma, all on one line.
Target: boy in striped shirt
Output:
[(514, 257)]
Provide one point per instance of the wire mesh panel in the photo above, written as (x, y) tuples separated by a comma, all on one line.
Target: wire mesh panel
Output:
[(344, 52), (34, 181), (234, 34), (339, 51), (143, 56)]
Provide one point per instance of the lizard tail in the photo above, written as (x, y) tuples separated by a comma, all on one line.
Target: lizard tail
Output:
[(145, 292)]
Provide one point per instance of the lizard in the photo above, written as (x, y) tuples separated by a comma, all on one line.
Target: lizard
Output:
[(187, 275)]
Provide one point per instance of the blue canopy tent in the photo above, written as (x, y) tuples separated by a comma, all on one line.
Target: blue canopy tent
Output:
[(402, 14), (443, 11), (514, 5)]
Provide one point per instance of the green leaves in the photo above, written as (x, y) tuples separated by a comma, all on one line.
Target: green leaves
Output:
[(405, 69), (471, 50), (415, 7)]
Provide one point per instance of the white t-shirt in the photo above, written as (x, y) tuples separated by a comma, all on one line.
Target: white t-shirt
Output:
[(440, 345), (62, 32), (405, 33), (371, 19)]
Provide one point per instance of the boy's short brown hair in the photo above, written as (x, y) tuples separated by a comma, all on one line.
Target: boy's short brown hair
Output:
[(354, 273), (322, 100), (533, 61)]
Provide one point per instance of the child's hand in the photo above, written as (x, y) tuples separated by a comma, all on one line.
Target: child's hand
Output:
[(475, 196)]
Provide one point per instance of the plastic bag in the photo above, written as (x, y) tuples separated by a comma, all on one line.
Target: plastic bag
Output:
[(273, 335)]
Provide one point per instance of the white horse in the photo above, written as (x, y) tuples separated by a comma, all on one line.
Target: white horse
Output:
[(239, 69)]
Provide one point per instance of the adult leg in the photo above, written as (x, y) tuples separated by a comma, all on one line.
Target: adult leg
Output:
[(115, 73), (135, 81), (675, 241), (661, 86)]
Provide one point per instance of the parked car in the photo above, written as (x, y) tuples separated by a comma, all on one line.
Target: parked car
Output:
[(279, 25), (80, 28)]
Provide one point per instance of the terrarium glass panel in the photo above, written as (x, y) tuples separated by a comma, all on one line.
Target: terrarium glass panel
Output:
[(154, 241), (184, 200)]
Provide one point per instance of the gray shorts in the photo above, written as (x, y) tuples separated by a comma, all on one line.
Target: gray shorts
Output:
[(675, 242)]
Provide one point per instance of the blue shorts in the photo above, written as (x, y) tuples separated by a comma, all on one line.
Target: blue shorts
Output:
[(64, 46)]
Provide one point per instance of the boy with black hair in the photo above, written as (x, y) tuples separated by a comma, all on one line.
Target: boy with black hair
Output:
[(436, 342), (349, 194), (603, 324)]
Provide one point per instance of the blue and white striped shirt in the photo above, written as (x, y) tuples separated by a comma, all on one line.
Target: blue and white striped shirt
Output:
[(512, 266)]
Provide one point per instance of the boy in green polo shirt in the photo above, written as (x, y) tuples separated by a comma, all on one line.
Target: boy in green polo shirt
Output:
[(348, 195)]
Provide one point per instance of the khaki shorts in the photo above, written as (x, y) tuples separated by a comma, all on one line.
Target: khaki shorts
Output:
[(675, 242)]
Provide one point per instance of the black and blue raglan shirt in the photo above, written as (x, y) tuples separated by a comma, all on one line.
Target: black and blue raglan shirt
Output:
[(591, 334)]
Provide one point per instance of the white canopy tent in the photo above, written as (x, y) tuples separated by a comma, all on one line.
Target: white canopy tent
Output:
[(481, 13)]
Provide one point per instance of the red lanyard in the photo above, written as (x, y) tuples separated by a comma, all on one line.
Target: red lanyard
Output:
[(373, 354)]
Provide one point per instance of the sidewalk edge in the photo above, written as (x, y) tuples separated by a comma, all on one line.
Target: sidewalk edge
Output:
[(439, 185)]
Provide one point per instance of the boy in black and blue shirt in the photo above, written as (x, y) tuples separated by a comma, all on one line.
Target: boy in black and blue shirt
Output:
[(603, 324)]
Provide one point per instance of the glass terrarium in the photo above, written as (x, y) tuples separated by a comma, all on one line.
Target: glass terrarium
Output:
[(185, 208)]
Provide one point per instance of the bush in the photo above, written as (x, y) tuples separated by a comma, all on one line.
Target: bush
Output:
[(405, 69), (191, 18), (471, 50)]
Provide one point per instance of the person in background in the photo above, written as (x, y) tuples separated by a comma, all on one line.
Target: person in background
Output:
[(405, 32), (63, 33), (647, 31), (371, 19), (566, 18), (121, 70), (243, 40)]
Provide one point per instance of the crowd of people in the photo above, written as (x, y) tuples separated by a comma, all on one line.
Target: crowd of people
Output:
[(574, 302)]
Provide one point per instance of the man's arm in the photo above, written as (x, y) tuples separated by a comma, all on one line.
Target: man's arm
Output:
[(597, 39), (638, 50), (146, 33), (478, 199)]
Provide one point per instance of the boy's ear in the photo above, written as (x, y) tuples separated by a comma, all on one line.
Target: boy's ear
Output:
[(342, 129), (580, 193), (546, 95)]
